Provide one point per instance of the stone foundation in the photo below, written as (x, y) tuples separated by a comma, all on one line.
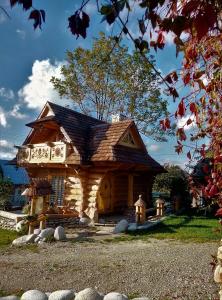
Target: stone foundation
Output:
[(68, 222), (129, 214), (6, 223)]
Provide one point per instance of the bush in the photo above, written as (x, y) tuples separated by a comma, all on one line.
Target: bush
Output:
[(26, 209), (6, 190)]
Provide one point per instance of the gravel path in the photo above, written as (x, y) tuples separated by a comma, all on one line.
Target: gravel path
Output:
[(158, 269)]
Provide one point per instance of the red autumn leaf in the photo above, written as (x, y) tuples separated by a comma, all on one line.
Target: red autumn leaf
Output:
[(179, 147), (189, 155), (218, 159), (174, 76), (189, 7), (181, 109), (204, 22), (153, 18), (181, 134), (193, 107), (160, 38), (169, 79), (191, 53), (197, 74), (36, 16), (205, 169), (165, 124), (202, 152), (219, 213), (186, 78), (213, 190), (189, 121), (173, 92)]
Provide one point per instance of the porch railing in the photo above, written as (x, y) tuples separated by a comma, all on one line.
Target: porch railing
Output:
[(53, 152)]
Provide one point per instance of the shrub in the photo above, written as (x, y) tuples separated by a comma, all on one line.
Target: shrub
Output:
[(6, 190)]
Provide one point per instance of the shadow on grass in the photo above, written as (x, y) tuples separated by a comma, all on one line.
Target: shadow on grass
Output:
[(164, 228)]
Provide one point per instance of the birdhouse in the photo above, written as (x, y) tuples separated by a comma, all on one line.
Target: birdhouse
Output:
[(140, 210), (28, 192), (160, 207)]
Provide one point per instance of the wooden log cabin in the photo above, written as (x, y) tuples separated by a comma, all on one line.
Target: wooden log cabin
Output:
[(100, 168)]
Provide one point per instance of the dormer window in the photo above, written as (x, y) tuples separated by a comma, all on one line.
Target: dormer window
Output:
[(128, 140)]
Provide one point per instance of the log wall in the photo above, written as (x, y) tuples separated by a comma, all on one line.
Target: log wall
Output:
[(82, 187), (119, 193)]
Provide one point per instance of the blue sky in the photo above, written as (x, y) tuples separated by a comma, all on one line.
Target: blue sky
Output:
[(29, 58)]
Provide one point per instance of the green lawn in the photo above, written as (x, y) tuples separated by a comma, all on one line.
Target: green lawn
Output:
[(196, 229), (6, 237)]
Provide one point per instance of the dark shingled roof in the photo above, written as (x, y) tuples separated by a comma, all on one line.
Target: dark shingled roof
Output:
[(96, 140)]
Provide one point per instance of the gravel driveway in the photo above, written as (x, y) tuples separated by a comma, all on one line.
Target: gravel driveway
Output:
[(157, 269)]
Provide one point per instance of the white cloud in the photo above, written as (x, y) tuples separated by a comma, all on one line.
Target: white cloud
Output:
[(6, 93), (16, 113), (153, 147), (5, 144), (39, 89), (3, 121), (7, 150), (181, 162), (91, 8), (21, 33), (182, 123), (8, 155)]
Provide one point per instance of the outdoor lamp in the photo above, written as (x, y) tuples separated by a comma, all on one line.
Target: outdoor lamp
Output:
[(140, 210)]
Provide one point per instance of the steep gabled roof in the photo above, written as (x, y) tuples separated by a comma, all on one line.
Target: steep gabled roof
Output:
[(96, 140), (104, 137)]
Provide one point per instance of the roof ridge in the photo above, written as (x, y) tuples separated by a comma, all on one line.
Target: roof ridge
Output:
[(116, 123), (76, 112)]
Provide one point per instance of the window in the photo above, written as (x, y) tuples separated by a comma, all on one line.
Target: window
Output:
[(58, 187), (128, 140)]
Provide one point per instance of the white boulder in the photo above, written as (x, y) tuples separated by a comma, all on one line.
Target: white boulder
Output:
[(37, 239), (37, 231), (115, 296), (88, 294), (21, 226), (59, 234), (132, 227), (62, 295), (218, 274), (121, 226), (46, 233), (84, 221), (34, 295), (25, 239)]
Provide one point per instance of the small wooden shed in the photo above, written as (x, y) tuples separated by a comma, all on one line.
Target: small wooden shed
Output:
[(94, 166)]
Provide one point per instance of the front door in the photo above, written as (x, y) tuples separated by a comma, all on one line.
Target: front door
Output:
[(104, 196)]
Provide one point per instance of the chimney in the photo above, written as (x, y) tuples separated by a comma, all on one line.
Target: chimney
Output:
[(118, 118)]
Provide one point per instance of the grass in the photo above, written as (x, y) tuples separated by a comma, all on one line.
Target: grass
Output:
[(6, 237), (183, 228), (15, 293)]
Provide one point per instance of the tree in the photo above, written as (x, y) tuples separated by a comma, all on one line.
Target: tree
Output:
[(108, 80), (6, 190), (174, 182)]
